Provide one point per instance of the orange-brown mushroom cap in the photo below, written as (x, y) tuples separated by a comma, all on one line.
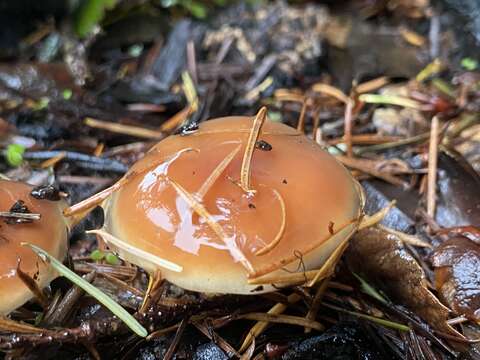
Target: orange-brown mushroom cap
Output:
[(303, 198), (49, 233)]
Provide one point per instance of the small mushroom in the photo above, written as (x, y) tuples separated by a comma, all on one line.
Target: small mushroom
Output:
[(214, 212), (26, 219)]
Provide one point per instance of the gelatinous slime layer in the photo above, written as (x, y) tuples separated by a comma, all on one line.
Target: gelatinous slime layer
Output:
[(183, 202), (49, 232)]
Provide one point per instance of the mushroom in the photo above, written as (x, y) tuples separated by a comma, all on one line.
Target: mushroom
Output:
[(239, 200), (27, 219)]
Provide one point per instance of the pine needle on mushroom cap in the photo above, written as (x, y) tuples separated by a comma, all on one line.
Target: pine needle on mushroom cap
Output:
[(250, 147)]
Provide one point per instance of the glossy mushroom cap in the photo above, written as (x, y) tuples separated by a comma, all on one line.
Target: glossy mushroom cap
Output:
[(50, 233), (300, 189)]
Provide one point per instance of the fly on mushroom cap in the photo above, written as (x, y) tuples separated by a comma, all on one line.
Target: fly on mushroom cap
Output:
[(26, 219), (232, 202)]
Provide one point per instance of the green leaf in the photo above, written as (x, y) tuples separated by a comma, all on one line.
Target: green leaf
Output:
[(97, 255), (469, 64), (14, 154), (67, 94), (41, 104), (100, 296), (112, 259), (197, 9), (89, 14)]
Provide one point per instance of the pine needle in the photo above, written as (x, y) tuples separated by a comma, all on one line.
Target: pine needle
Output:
[(283, 319), (287, 278), (217, 172), (370, 220), (247, 157), (269, 247), (331, 91), (89, 203), (200, 210), (260, 326), (386, 323), (390, 100)]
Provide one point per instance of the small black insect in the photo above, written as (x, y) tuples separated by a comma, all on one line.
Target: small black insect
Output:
[(189, 128), (263, 145), (18, 208), (48, 192)]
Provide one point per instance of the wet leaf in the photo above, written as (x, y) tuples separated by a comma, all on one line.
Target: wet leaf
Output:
[(382, 258), (458, 201), (457, 276)]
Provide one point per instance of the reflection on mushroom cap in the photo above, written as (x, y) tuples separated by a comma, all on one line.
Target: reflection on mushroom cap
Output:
[(302, 194), (49, 232)]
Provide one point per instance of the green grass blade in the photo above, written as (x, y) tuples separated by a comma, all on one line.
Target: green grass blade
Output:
[(100, 296), (369, 289)]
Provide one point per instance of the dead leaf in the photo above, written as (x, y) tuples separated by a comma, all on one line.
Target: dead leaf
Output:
[(383, 259), (457, 276)]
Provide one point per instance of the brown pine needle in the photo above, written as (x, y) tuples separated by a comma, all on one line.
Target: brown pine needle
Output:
[(301, 118), (99, 149), (200, 210), (154, 281), (260, 326), (283, 319), (213, 336), (432, 167), (331, 91), (247, 157), (124, 129), (369, 167), (370, 220), (348, 118), (372, 85), (33, 286), (18, 327), (317, 301), (88, 204), (176, 120), (217, 172), (269, 247), (288, 278), (328, 267), (316, 124), (53, 161), (406, 238), (248, 354), (288, 95), (162, 332), (273, 275)]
